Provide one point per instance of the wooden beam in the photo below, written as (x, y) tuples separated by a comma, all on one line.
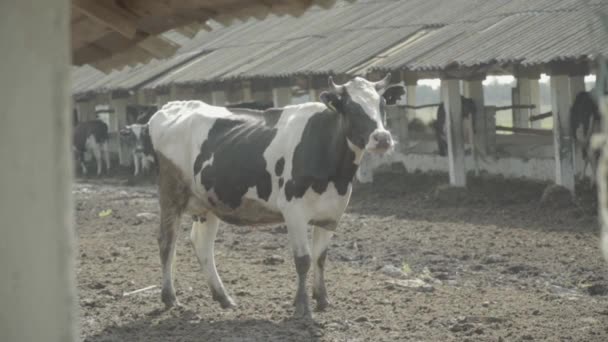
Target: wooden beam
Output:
[(110, 15), (158, 47)]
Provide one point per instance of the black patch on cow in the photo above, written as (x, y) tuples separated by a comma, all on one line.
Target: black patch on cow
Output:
[(361, 125), (281, 181), (85, 129), (279, 167), (270, 116), (322, 156), (237, 146), (393, 93), (583, 109)]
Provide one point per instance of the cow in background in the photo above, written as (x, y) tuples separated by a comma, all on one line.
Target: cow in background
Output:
[(469, 111), (584, 122), (91, 136), (142, 152)]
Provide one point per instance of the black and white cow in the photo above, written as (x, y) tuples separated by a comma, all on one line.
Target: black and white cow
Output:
[(91, 136), (584, 122), (137, 136), (393, 94), (469, 111), (218, 165), (256, 105)]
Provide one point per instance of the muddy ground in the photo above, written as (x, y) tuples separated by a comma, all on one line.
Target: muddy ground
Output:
[(491, 266)]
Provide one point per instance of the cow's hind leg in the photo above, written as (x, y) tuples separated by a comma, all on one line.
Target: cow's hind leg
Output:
[(169, 223), (321, 238), (173, 197), (203, 238), (297, 229)]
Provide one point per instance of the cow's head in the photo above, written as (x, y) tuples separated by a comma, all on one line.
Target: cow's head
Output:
[(359, 101), (136, 134)]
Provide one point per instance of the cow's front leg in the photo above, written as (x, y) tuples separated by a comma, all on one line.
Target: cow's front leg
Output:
[(97, 155), (297, 228), (202, 236), (106, 156), (321, 238)]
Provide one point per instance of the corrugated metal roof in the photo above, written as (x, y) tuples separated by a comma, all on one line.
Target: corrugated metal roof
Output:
[(418, 35)]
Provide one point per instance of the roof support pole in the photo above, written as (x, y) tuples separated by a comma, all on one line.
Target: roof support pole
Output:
[(561, 100), (38, 299), (119, 105), (474, 90), (535, 100), (281, 96), (450, 93), (247, 95), (521, 96), (218, 98)]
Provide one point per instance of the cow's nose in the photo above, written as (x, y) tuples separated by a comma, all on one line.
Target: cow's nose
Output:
[(383, 139)]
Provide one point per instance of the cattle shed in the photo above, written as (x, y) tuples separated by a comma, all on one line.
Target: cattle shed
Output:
[(38, 300), (287, 60)]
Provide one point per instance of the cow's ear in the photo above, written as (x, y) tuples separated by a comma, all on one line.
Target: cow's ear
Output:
[(332, 101)]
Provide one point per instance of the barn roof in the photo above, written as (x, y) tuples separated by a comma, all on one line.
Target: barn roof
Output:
[(110, 34), (353, 38)]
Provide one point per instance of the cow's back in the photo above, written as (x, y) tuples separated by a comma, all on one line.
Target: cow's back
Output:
[(84, 130)]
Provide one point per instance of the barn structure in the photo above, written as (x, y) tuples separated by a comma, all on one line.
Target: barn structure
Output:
[(287, 60), (38, 39)]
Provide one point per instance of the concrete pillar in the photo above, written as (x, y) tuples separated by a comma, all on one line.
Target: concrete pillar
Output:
[(313, 95), (281, 96), (521, 116), (450, 93), (561, 101), (535, 100), (38, 300), (474, 90), (119, 105), (247, 94), (218, 98)]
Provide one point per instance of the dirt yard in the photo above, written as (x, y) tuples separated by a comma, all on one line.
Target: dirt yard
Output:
[(491, 266)]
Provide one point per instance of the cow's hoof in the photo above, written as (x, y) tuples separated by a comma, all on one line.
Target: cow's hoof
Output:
[(302, 311), (225, 301), (322, 304), (169, 298)]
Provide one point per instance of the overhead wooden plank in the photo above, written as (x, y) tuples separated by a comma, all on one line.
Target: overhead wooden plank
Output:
[(110, 15), (158, 47), (85, 31)]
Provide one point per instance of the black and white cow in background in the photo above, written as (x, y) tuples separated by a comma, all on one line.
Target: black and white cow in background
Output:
[(220, 166), (91, 136), (136, 135), (584, 122), (469, 111)]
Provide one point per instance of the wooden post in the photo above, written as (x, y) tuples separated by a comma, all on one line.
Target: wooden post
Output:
[(521, 116), (450, 93), (561, 101), (281, 96), (38, 299)]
